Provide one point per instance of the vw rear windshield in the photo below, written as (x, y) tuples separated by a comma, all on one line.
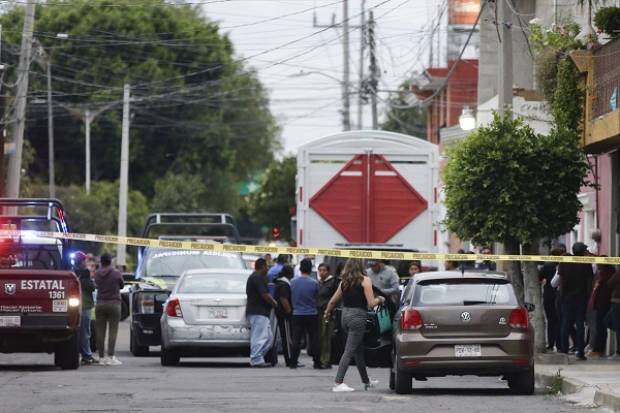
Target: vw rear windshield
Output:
[(463, 292)]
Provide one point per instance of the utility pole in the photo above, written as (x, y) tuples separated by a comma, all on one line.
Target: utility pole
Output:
[(360, 97), (50, 130), (121, 250), (88, 119), (88, 116), (505, 75), (2, 124), (374, 70), (345, 84), (346, 101), (15, 162)]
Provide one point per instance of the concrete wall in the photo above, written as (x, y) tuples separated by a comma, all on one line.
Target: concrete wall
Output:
[(522, 62)]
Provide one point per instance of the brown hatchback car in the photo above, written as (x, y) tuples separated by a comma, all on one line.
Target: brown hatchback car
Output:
[(456, 324)]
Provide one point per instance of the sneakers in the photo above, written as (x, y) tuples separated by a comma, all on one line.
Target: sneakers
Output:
[(342, 388), (615, 357), (113, 361), (581, 357), (88, 361), (371, 384), (104, 361)]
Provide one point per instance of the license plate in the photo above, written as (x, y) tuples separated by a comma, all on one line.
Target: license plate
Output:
[(10, 321), (469, 350), (59, 306), (217, 313)]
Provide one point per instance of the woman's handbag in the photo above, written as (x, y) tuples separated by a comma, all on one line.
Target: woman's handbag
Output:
[(380, 320)]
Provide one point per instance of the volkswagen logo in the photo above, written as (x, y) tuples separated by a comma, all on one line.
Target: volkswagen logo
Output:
[(10, 288), (465, 317)]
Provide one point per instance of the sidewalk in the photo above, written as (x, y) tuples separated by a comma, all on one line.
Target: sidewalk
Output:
[(593, 383)]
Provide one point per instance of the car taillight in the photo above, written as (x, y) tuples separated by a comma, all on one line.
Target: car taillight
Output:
[(173, 309), (519, 318), (411, 320)]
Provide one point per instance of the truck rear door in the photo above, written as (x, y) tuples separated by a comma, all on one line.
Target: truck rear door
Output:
[(39, 298)]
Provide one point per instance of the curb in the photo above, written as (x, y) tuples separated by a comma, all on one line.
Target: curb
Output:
[(606, 399), (571, 386)]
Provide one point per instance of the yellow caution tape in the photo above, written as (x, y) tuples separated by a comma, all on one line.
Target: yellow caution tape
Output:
[(334, 252)]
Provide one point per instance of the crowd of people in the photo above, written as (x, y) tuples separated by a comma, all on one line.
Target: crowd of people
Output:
[(581, 303), (304, 308), (106, 283)]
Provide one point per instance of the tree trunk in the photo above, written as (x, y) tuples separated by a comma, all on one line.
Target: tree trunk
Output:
[(514, 269), (533, 295)]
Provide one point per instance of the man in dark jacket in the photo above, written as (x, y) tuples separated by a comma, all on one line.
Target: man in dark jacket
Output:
[(614, 287), (284, 310), (88, 287), (258, 310), (575, 284), (546, 274), (109, 282), (328, 284)]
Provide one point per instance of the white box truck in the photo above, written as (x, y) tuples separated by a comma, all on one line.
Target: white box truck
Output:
[(369, 188)]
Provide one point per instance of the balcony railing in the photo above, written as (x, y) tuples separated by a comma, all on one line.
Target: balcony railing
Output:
[(606, 79)]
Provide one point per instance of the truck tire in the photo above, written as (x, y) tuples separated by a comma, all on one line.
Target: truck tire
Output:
[(402, 382), (522, 383), (68, 353), (169, 357), (137, 350)]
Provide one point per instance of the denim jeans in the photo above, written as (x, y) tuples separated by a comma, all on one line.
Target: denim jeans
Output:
[(85, 335), (573, 314), (261, 338)]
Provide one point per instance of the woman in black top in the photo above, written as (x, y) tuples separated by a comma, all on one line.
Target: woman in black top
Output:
[(355, 290)]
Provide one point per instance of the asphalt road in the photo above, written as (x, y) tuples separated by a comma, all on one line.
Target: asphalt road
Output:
[(30, 383)]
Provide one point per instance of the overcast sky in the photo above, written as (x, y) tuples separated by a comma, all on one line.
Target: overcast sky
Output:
[(307, 107)]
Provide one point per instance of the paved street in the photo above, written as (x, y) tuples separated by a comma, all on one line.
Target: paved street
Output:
[(29, 383)]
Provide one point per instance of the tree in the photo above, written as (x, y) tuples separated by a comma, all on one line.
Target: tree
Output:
[(505, 183), (97, 213), (403, 119), (179, 193), (196, 111), (273, 204)]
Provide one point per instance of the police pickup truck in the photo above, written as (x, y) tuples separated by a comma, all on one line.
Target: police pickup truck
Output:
[(40, 299)]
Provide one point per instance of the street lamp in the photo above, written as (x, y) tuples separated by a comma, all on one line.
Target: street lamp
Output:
[(467, 120), (303, 73)]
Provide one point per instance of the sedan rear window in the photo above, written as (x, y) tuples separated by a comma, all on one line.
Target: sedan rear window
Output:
[(213, 284), (463, 291)]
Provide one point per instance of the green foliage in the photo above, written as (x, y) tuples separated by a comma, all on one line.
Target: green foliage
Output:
[(607, 19), (197, 112), (98, 212), (411, 121), (272, 205), (546, 62), (179, 193), (505, 183), (550, 46), (567, 101), (561, 38)]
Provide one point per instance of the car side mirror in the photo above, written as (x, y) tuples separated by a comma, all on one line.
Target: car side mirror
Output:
[(530, 307)]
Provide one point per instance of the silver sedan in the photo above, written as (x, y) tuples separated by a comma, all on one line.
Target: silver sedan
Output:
[(205, 316)]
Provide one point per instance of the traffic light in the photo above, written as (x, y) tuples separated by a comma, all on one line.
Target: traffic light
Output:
[(275, 233)]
